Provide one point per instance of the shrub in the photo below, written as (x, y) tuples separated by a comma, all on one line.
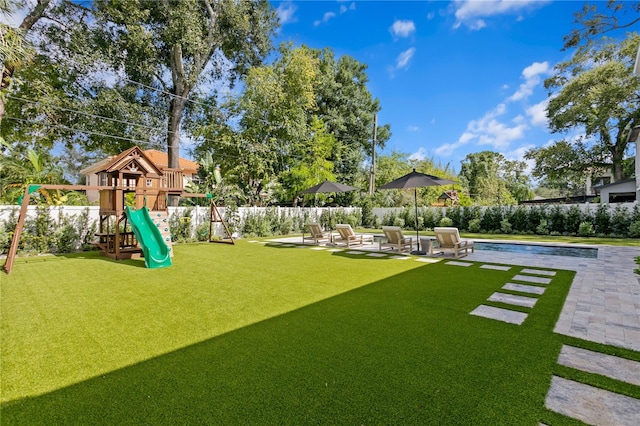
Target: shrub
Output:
[(455, 214), (505, 227), (585, 229), (474, 225), (634, 229), (573, 220), (556, 219), (518, 219), (620, 221), (180, 224), (446, 221), (398, 221), (543, 227), (491, 219), (602, 220), (534, 217)]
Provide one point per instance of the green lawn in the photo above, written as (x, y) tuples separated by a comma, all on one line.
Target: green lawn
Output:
[(254, 334)]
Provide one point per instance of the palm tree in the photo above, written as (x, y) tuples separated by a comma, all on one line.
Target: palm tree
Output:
[(17, 172)]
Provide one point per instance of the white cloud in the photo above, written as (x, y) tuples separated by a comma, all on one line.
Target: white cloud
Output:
[(532, 75), (430, 16), (538, 114), (325, 18), (403, 28), (413, 128), (286, 12), (330, 15), (488, 130), (419, 155), (403, 59), (471, 12)]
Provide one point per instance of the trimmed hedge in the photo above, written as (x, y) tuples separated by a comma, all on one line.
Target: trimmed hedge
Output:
[(606, 221)]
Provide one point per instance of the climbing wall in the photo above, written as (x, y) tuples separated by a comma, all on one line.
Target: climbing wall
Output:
[(161, 220)]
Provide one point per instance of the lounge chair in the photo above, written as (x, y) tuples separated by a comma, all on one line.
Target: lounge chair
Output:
[(350, 238), (317, 235), (448, 239), (395, 239)]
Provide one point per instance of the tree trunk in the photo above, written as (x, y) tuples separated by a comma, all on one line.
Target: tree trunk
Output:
[(173, 138)]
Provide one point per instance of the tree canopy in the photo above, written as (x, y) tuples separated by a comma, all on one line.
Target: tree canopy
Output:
[(596, 92)]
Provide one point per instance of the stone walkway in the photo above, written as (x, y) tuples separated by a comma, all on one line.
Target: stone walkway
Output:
[(603, 306)]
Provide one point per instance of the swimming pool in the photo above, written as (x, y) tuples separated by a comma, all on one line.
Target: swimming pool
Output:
[(588, 252)]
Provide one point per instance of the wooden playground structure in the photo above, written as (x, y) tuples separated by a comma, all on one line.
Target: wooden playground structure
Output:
[(131, 177)]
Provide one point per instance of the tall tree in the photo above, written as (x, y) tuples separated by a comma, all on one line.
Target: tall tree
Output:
[(178, 46), (493, 180), (347, 107), (596, 91), (14, 49), (594, 22)]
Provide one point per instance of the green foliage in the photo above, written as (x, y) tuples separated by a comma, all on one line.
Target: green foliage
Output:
[(557, 219), (543, 227), (602, 221), (474, 225), (620, 221), (634, 229), (505, 227), (491, 219), (594, 90), (585, 229), (180, 225), (573, 220), (446, 221), (493, 180)]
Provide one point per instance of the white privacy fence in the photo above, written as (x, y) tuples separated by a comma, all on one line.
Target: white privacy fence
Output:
[(199, 215)]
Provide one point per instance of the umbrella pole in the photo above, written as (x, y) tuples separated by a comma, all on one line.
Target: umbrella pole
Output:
[(415, 199)]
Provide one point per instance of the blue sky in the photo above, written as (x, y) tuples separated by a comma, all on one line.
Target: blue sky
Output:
[(452, 77)]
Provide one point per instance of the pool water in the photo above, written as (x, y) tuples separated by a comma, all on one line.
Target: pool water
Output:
[(591, 253)]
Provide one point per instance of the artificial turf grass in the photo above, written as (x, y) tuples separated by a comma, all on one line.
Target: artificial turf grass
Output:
[(402, 349)]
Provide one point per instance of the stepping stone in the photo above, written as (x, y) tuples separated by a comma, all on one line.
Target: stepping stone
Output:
[(400, 257), (539, 272), (454, 263), (354, 252), (505, 315), (427, 260), (615, 367), (512, 299), (318, 248), (530, 279), (377, 255), (287, 245), (496, 267), (591, 405), (523, 288)]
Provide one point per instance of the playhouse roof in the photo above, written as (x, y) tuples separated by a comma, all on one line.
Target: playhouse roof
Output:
[(133, 160), (158, 158)]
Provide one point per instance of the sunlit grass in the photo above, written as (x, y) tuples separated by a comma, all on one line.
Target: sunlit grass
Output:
[(249, 334)]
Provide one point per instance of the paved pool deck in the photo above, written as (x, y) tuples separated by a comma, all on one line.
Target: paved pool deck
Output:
[(603, 304)]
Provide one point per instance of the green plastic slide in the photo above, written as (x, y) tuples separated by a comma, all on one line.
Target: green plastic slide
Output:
[(156, 253)]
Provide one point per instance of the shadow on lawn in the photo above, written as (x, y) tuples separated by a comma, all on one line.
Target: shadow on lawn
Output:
[(403, 350)]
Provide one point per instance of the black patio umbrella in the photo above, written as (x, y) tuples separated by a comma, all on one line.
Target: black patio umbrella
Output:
[(416, 180), (326, 187)]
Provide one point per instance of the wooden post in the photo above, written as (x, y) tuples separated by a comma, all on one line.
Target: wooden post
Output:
[(13, 249)]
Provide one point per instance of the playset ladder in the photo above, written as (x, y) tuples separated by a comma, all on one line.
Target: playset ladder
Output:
[(216, 217)]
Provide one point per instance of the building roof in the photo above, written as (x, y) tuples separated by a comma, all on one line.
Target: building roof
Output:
[(159, 159), (608, 185)]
